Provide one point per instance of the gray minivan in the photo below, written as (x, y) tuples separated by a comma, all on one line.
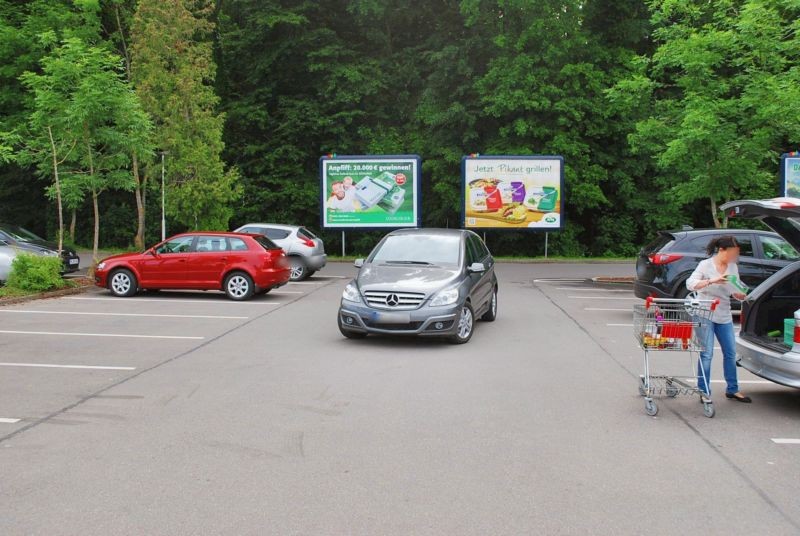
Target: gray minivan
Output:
[(760, 345), (427, 282)]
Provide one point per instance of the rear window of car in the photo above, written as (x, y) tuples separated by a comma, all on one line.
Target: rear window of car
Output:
[(266, 243), (305, 233), (659, 243), (237, 244)]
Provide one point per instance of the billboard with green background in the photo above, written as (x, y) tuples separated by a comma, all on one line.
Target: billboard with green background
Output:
[(790, 174), (370, 191)]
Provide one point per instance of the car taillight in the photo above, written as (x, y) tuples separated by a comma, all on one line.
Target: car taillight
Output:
[(307, 241), (663, 258)]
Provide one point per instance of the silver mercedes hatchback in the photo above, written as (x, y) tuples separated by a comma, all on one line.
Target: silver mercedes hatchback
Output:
[(426, 282)]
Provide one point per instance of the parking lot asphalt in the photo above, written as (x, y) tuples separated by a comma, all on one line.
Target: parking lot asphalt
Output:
[(186, 413)]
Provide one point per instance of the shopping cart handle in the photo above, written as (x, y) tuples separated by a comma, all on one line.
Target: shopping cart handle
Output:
[(648, 301), (714, 304)]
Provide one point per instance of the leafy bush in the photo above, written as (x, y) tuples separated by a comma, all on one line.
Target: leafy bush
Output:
[(35, 273)]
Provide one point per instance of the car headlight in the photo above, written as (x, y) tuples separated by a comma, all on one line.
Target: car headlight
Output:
[(351, 294), (101, 266), (445, 297)]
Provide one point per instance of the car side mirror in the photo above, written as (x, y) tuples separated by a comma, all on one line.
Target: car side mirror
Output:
[(476, 268), (359, 263), (152, 251)]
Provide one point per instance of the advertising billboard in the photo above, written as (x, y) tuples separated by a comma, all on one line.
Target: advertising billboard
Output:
[(370, 191), (790, 174), (513, 192)]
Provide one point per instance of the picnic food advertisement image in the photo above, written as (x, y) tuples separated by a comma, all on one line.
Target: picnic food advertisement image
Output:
[(513, 192), (370, 191)]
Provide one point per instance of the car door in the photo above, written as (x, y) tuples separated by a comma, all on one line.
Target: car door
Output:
[(208, 261), (166, 267), (481, 289), (751, 268), (775, 253)]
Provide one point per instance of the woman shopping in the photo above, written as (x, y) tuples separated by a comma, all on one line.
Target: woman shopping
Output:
[(715, 278)]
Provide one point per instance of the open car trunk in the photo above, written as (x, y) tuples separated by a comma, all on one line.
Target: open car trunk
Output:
[(778, 297)]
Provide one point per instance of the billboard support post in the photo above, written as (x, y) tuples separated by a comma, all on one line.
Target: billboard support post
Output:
[(546, 235), (342, 243)]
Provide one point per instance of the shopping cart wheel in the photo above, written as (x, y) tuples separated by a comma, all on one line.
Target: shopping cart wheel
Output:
[(650, 407), (708, 409)]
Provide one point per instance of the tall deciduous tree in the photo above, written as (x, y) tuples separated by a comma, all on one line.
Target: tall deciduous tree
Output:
[(173, 72)]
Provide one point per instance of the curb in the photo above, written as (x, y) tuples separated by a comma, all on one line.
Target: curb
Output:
[(13, 300)]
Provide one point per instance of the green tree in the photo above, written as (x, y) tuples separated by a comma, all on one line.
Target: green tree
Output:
[(86, 111), (173, 72)]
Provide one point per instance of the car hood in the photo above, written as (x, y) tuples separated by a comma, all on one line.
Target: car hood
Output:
[(123, 256), (405, 278), (39, 246), (781, 214)]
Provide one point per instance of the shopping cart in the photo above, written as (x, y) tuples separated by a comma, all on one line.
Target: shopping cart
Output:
[(669, 325)]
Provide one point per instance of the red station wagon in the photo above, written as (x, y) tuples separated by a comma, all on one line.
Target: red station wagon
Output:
[(239, 264)]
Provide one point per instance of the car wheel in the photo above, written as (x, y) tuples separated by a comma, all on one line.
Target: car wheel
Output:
[(239, 286), (350, 334), (298, 269), (122, 283), (491, 314), (466, 325), (682, 292)]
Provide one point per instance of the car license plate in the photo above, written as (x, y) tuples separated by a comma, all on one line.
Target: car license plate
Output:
[(74, 261), (393, 318)]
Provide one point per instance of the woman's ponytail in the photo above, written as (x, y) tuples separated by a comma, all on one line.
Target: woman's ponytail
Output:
[(721, 242)]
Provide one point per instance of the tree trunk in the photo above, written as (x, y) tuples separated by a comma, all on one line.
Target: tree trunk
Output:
[(138, 240), (72, 227), (58, 192), (96, 241), (714, 214)]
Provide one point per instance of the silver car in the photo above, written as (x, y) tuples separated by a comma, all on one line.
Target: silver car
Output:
[(428, 282), (7, 254), (306, 252), (768, 342)]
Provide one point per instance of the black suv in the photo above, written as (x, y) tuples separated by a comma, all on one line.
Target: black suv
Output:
[(19, 237), (665, 263)]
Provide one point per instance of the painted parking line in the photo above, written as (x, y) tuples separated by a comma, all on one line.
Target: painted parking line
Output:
[(306, 283), (215, 317), (602, 298), (586, 289), (559, 280), (119, 335), (785, 441), (5, 420), (620, 325), (48, 365), (628, 310), (170, 300)]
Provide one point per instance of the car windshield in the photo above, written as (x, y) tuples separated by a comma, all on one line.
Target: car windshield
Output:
[(419, 249), (18, 233)]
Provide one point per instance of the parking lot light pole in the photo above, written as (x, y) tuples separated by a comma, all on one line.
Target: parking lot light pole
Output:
[(163, 218)]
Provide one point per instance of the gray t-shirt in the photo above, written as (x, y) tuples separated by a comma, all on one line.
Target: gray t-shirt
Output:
[(722, 291)]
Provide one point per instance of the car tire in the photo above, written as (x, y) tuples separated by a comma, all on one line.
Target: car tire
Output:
[(299, 271), (310, 273), (491, 314), (122, 283), (682, 292), (350, 334), (239, 286), (465, 325)]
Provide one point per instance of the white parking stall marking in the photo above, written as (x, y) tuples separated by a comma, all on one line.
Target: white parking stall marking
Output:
[(559, 280), (628, 310), (620, 325), (602, 298), (47, 365), (586, 289), (215, 317), (306, 283), (785, 441), (5, 420), (170, 300), (119, 335)]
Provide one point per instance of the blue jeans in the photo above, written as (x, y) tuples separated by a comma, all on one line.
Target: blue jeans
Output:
[(727, 341)]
